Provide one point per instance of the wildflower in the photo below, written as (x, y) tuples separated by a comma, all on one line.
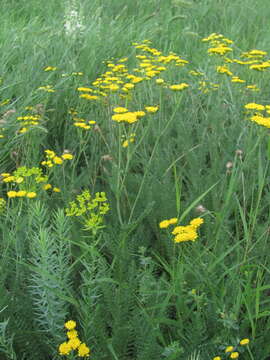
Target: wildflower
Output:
[(234, 355), (196, 222), (31, 195), (159, 81), (151, 109), (64, 348), (88, 97), (70, 325), (11, 194), (21, 193), (83, 350), (50, 68), (120, 110), (47, 186), (244, 342), (172, 221), (56, 189), (164, 224), (71, 334), (217, 358), (229, 349), (178, 87), (254, 106), (74, 343), (67, 156), (57, 160)]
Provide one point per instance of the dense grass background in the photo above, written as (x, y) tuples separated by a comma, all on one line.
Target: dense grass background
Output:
[(133, 293)]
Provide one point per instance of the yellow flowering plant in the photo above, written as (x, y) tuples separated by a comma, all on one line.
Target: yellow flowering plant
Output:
[(73, 345), (90, 209)]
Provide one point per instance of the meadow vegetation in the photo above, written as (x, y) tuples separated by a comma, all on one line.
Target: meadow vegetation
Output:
[(134, 164)]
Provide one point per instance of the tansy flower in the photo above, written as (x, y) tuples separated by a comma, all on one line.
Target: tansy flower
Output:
[(120, 110), (151, 109), (47, 186), (234, 355), (83, 350), (67, 156), (31, 195), (21, 193), (244, 342), (71, 334), (164, 224), (70, 325), (196, 222), (229, 349), (217, 358), (56, 189), (64, 348), (178, 87), (172, 221), (12, 194), (159, 81), (74, 343)]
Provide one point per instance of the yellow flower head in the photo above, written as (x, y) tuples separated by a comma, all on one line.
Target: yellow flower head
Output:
[(229, 349), (83, 350), (234, 355), (164, 224), (244, 342), (196, 222), (31, 195), (74, 343), (64, 348), (151, 109), (70, 325)]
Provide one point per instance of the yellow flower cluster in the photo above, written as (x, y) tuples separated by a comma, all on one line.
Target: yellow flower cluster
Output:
[(258, 117), (130, 140), (177, 87), (50, 68), (28, 121), (223, 69), (219, 44), (47, 88), (52, 159), (188, 232), (119, 81), (122, 114), (73, 342), (90, 209), (231, 350), (28, 180), (166, 223), (183, 233), (80, 122)]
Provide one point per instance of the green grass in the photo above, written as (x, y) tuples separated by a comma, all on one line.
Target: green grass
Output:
[(134, 293)]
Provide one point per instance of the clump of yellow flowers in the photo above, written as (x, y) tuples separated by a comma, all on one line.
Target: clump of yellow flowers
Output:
[(52, 159), (90, 209), (258, 112), (28, 181), (183, 233), (231, 350), (73, 343)]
